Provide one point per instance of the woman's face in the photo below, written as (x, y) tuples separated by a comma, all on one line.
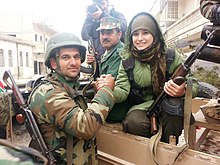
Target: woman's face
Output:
[(142, 39)]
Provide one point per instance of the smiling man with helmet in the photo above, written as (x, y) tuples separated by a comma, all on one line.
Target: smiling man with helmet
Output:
[(67, 124)]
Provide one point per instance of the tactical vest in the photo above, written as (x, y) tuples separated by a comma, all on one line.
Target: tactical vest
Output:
[(136, 92)]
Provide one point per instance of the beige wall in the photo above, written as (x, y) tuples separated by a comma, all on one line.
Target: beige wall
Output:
[(17, 71)]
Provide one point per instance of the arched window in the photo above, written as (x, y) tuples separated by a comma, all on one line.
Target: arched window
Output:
[(2, 59), (27, 59), (21, 59), (10, 62)]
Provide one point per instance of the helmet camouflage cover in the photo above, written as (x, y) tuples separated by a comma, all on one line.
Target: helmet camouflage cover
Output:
[(63, 39)]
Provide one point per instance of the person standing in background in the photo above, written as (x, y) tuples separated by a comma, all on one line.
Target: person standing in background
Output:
[(95, 12)]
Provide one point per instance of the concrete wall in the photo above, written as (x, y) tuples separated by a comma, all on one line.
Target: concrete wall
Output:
[(15, 47)]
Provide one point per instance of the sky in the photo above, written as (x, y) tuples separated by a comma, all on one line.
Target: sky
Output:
[(69, 15)]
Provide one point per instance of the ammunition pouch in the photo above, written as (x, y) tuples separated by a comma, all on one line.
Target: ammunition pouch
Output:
[(208, 29), (173, 106)]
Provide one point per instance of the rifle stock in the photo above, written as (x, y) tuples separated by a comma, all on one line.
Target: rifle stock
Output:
[(179, 75), (29, 119)]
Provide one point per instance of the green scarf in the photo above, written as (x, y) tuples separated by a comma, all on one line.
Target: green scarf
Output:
[(154, 55), (157, 61)]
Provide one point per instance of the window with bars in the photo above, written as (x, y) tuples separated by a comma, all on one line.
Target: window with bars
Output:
[(172, 9), (21, 59), (10, 61), (2, 59), (27, 59), (35, 37)]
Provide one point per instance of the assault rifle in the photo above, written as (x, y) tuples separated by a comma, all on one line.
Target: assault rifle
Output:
[(29, 119), (178, 77), (92, 51)]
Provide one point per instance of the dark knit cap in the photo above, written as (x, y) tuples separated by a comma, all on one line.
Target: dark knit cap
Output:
[(144, 22)]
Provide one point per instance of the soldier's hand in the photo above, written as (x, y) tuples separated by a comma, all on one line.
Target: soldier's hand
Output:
[(89, 58), (105, 80), (173, 89)]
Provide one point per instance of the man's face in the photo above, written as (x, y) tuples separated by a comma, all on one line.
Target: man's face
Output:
[(109, 38), (69, 62)]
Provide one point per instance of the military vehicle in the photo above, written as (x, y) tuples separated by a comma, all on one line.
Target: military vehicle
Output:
[(118, 148)]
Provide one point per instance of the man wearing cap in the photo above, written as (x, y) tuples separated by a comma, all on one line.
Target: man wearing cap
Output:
[(110, 34), (100, 9)]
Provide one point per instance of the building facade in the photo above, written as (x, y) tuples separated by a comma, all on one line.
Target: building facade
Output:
[(23, 39), (16, 55), (182, 24)]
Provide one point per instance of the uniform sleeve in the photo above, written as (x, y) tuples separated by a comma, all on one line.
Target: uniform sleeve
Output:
[(122, 86), (87, 30), (208, 7), (57, 108)]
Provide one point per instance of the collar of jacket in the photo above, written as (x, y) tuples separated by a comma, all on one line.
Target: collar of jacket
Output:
[(72, 84), (117, 48)]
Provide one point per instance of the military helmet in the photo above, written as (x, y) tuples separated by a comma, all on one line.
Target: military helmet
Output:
[(63, 39)]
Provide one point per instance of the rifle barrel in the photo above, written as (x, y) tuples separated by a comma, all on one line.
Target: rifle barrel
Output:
[(181, 71)]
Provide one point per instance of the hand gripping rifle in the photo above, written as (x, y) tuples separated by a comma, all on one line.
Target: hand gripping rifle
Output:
[(29, 119), (178, 77)]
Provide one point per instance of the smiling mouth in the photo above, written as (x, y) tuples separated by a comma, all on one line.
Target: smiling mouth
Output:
[(73, 69)]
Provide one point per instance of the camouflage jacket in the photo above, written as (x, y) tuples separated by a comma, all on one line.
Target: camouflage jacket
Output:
[(12, 154), (208, 8), (61, 112)]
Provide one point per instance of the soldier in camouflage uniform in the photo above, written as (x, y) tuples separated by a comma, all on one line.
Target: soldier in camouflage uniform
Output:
[(210, 9), (67, 124), (11, 153), (92, 22)]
